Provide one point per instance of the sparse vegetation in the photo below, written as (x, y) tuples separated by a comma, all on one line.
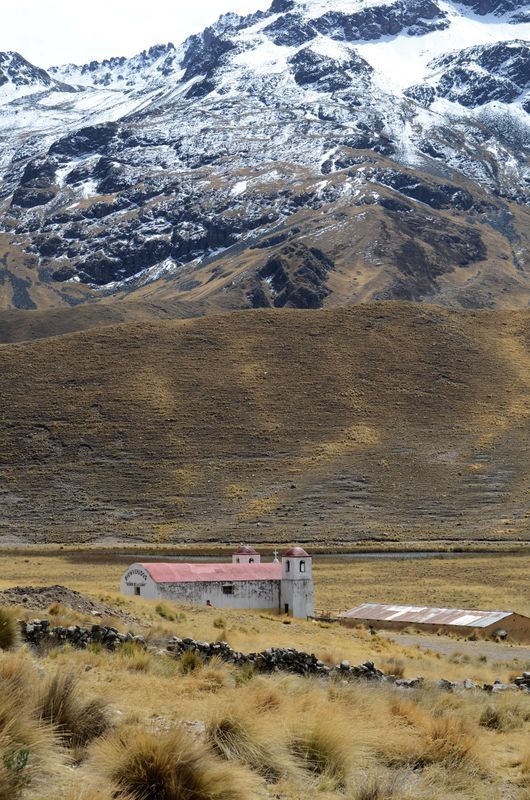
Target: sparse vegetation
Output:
[(282, 376)]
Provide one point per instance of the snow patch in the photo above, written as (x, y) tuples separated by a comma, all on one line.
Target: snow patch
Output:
[(239, 188)]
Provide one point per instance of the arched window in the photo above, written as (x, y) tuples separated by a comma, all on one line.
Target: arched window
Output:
[(287, 566), (302, 566)]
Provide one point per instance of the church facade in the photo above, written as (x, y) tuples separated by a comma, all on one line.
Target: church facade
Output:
[(284, 586)]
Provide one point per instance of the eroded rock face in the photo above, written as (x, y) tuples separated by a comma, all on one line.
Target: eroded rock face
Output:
[(412, 17), (294, 278), (499, 7), (326, 74)]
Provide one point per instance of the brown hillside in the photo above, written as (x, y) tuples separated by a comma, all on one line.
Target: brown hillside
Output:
[(385, 421)]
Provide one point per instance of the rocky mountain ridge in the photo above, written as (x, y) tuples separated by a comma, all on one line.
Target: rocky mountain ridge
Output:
[(325, 152)]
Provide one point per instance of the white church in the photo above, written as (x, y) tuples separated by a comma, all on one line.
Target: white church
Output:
[(285, 587)]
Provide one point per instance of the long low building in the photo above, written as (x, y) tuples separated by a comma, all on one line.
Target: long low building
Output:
[(486, 624), (284, 587)]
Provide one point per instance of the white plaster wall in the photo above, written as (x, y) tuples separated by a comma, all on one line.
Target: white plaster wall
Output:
[(138, 577), (246, 594), (303, 599)]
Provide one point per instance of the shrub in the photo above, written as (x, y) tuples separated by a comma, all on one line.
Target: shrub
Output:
[(244, 674), (9, 631), (76, 720), (167, 766), (135, 657), (163, 611), (236, 738), (219, 623)]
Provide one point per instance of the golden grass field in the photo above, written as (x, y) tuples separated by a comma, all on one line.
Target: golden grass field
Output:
[(487, 581), (278, 736)]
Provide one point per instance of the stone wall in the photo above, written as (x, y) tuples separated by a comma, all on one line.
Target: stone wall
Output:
[(274, 659)]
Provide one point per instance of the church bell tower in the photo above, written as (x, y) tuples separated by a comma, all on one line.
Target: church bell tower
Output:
[(296, 595)]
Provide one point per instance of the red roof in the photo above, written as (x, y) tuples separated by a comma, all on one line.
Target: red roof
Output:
[(198, 573), (296, 552), (246, 550)]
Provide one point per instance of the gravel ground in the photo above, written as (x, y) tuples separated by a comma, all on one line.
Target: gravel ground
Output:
[(40, 598), (443, 644)]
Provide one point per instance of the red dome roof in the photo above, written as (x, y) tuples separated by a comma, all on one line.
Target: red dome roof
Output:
[(246, 550), (296, 552)]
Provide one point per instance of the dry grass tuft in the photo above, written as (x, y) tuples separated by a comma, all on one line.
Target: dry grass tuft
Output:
[(525, 768), (451, 742), (505, 715), (428, 737), (9, 630), (375, 788), (322, 746), (169, 766), (266, 696), (235, 735), (77, 721), (25, 745)]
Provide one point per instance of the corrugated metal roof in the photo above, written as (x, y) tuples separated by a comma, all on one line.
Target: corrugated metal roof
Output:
[(423, 614), (197, 573)]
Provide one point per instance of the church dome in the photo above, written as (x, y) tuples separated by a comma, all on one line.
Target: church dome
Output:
[(246, 550), (296, 552)]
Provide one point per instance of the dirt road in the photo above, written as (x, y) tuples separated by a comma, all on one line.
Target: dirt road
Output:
[(443, 644)]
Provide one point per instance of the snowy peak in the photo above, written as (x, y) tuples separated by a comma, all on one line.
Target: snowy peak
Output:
[(19, 78), (16, 70), (158, 64)]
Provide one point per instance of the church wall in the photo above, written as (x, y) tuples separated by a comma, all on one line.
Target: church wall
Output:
[(297, 598), (246, 594)]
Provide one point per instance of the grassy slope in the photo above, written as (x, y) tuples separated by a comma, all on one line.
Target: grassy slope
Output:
[(389, 421)]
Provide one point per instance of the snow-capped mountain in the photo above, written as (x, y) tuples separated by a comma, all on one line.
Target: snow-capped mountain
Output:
[(321, 152)]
